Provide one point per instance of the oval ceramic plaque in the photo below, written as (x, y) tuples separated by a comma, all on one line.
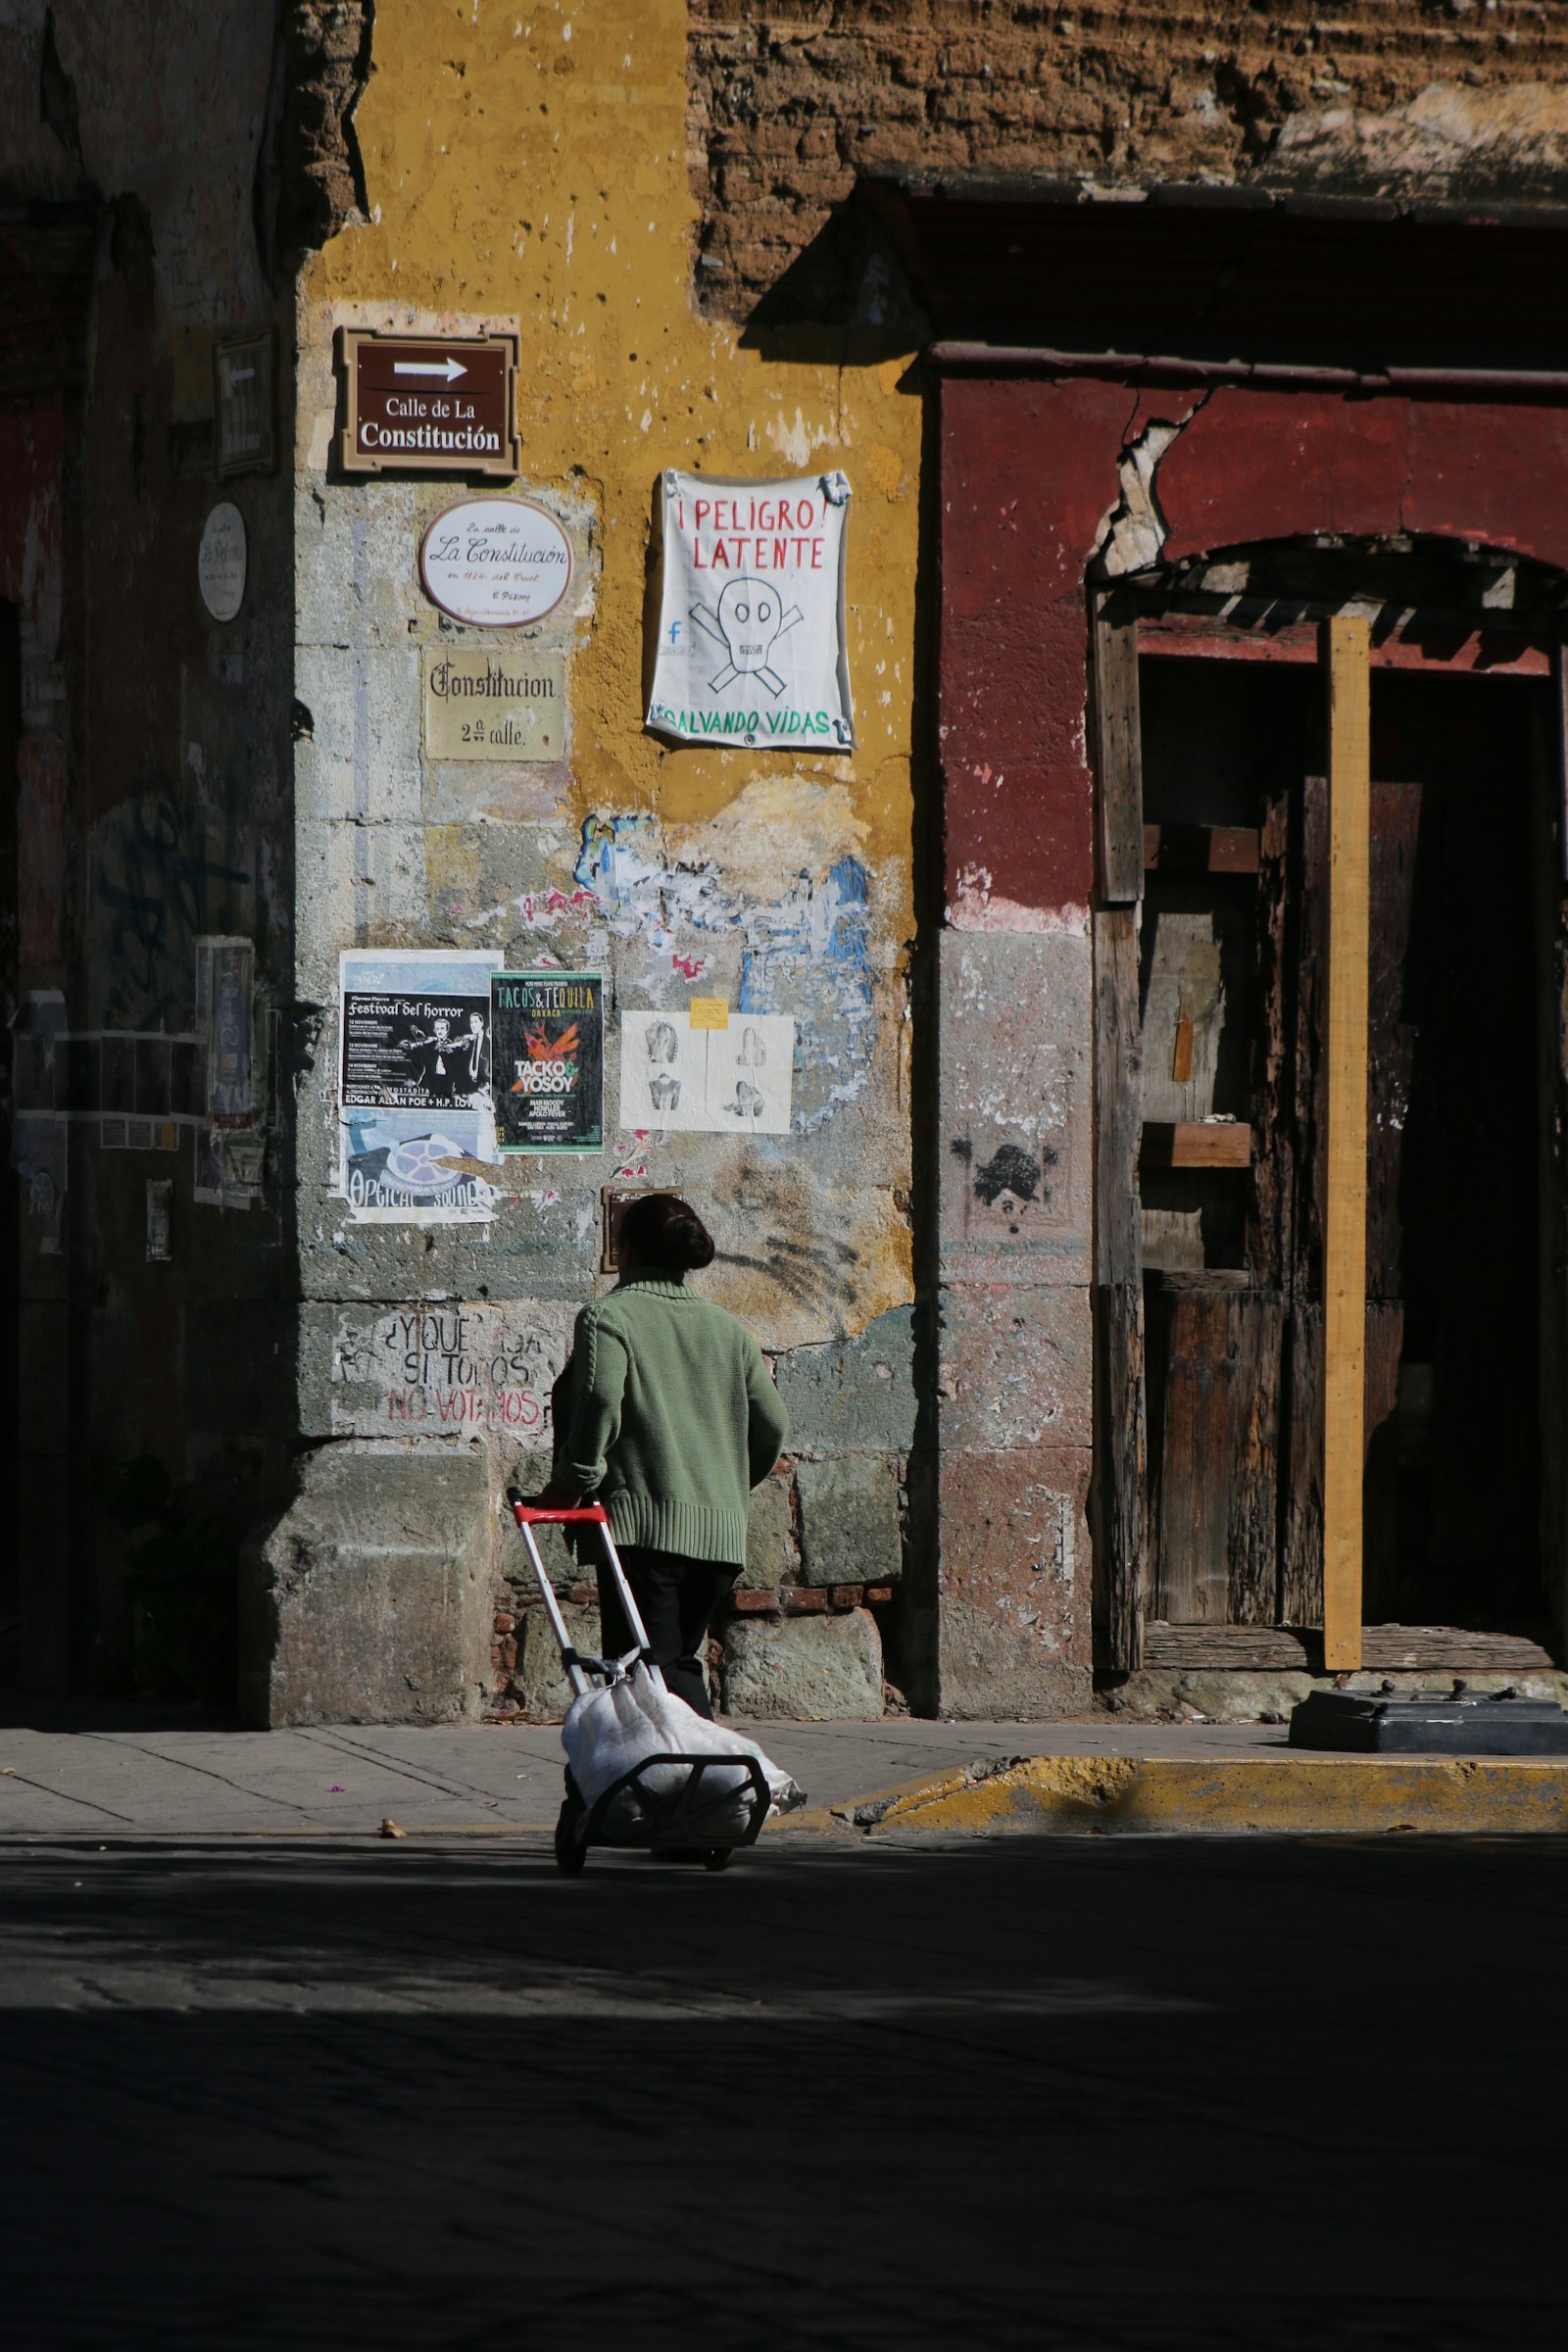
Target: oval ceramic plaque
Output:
[(220, 561), (496, 562)]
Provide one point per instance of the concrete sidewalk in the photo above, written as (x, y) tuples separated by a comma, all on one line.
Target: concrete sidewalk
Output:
[(117, 1769), (100, 1772)]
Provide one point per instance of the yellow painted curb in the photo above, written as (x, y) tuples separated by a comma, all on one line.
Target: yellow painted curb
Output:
[(1284, 1795)]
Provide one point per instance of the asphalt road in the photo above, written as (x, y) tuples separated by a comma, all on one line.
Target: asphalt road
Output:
[(1030, 2093)]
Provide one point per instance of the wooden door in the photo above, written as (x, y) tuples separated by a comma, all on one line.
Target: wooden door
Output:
[(1216, 1182)]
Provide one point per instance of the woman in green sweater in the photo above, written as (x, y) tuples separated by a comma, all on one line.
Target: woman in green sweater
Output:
[(666, 1415)]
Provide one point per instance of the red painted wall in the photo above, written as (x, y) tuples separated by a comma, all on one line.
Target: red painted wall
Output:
[(1029, 469), (1023, 482)]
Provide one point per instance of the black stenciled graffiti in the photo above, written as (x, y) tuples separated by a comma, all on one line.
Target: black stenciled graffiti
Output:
[(1010, 1170), (157, 881)]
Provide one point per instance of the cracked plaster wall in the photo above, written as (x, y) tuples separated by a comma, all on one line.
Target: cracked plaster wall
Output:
[(1458, 98)]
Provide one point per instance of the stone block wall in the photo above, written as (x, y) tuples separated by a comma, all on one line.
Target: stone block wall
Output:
[(370, 1599), (823, 1577), (1009, 1576), (149, 809)]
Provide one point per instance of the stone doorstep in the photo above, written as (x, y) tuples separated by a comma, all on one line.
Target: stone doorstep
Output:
[(1199, 1695)]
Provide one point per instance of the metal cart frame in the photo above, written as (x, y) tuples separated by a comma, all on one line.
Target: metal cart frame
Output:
[(629, 1813)]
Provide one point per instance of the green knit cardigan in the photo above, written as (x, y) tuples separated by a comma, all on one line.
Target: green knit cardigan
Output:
[(668, 1418)]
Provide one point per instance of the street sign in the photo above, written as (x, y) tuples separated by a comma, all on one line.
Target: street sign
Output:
[(415, 404), (244, 403)]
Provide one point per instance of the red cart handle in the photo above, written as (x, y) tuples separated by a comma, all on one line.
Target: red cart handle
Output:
[(526, 1516)]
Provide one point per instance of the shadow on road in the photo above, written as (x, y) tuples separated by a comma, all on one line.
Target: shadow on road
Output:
[(1033, 2093)]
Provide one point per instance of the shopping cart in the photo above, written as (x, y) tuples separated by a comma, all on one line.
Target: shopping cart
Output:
[(707, 1808)]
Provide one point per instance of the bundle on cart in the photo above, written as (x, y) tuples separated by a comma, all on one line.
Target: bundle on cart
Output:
[(643, 1768)]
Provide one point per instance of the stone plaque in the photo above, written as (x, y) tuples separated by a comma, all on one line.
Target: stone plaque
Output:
[(428, 404), (507, 706), (220, 561), (496, 562)]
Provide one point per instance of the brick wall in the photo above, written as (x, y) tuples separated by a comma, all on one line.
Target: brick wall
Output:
[(1446, 97)]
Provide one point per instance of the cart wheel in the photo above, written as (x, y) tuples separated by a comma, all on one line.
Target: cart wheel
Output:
[(570, 1853), (718, 1857)]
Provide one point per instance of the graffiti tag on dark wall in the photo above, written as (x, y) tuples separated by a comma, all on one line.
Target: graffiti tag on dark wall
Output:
[(162, 874)]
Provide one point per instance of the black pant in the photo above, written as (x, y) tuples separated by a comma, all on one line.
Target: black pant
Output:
[(675, 1597)]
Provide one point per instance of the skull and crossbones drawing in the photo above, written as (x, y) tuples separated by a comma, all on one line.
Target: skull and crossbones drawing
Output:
[(748, 620)]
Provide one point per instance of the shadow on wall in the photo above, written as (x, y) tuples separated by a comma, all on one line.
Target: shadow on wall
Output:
[(181, 1545), (843, 298)]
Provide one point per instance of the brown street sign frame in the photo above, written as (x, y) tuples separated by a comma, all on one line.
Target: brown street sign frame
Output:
[(428, 423)]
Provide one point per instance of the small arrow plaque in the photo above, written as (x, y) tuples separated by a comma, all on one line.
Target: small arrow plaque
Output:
[(418, 403)]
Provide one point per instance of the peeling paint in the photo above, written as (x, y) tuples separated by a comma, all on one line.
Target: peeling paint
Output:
[(805, 951), (979, 907), (1133, 530)]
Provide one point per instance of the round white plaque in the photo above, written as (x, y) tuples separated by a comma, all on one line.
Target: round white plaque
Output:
[(221, 564), (496, 562)]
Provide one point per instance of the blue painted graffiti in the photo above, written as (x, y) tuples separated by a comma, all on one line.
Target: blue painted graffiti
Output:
[(806, 953)]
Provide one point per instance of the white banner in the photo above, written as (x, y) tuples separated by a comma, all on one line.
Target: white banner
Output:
[(751, 622)]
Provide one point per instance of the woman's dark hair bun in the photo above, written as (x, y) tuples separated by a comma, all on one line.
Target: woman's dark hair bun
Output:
[(665, 1232)]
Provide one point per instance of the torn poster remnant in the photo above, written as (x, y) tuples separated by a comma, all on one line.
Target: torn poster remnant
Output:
[(810, 948)]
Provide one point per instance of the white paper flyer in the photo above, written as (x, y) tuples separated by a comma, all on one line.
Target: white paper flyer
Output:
[(751, 625), (689, 1079)]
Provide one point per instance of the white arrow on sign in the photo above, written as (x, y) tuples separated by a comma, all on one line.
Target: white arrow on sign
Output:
[(449, 368)]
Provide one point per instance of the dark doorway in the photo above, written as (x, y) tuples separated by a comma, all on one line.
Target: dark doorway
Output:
[(1232, 1182), (1453, 1248)]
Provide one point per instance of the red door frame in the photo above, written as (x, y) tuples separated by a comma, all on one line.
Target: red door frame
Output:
[(1029, 481)]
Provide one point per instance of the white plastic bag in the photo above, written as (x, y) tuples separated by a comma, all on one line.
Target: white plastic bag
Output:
[(608, 1732)]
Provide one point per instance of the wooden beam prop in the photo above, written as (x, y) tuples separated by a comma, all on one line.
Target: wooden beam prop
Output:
[(1121, 1445), (1120, 1440), (1349, 650), (1120, 761)]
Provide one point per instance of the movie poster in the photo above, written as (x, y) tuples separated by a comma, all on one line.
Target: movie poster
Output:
[(547, 1041), (417, 1130)]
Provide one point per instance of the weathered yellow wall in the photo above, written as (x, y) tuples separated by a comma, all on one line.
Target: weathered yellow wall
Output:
[(527, 165), (531, 160)]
